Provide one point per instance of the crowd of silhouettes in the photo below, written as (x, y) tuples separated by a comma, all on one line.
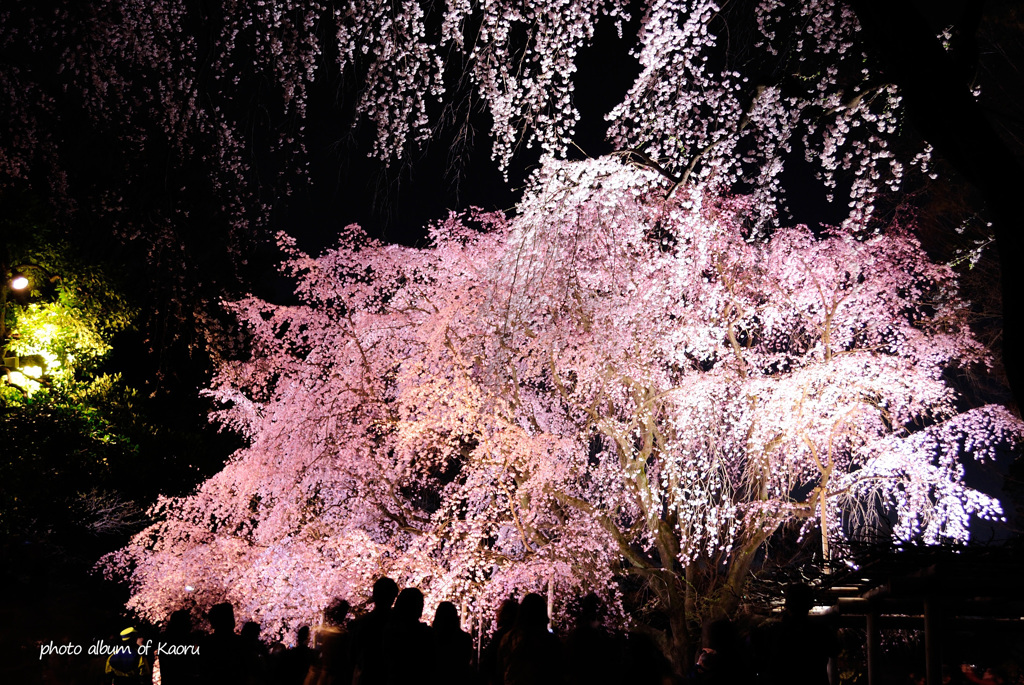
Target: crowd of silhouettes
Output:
[(392, 645)]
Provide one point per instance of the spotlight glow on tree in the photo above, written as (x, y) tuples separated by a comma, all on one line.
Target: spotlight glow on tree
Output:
[(615, 382)]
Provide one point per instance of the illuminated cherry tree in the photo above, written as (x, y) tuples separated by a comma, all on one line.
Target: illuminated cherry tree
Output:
[(617, 381)]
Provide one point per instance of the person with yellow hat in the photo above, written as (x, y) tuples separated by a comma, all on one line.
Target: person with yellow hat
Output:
[(129, 664)]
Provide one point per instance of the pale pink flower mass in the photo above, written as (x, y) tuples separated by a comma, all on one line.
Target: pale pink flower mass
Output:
[(612, 382)]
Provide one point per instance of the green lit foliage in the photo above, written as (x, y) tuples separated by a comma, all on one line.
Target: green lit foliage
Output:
[(57, 332), (69, 322)]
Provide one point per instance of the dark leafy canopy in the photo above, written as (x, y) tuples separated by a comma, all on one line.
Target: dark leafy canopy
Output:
[(89, 463), (69, 466)]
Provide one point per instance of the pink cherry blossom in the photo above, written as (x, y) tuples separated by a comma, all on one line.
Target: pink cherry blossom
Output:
[(615, 381)]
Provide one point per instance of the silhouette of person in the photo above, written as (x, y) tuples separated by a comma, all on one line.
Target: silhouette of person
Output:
[(221, 655), (368, 635), (276, 653), (530, 654), (294, 664), (255, 657), (591, 654), (333, 665), (799, 651), (719, 661), (453, 648), (645, 663), (179, 669), (489, 672), (989, 676), (408, 641)]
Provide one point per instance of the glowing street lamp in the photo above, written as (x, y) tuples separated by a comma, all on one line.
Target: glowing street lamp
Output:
[(19, 281)]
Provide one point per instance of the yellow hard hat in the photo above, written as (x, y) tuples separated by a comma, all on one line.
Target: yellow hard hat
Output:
[(127, 633)]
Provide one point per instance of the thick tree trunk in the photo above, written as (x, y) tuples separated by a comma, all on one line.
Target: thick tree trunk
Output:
[(676, 599), (736, 578), (680, 643)]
